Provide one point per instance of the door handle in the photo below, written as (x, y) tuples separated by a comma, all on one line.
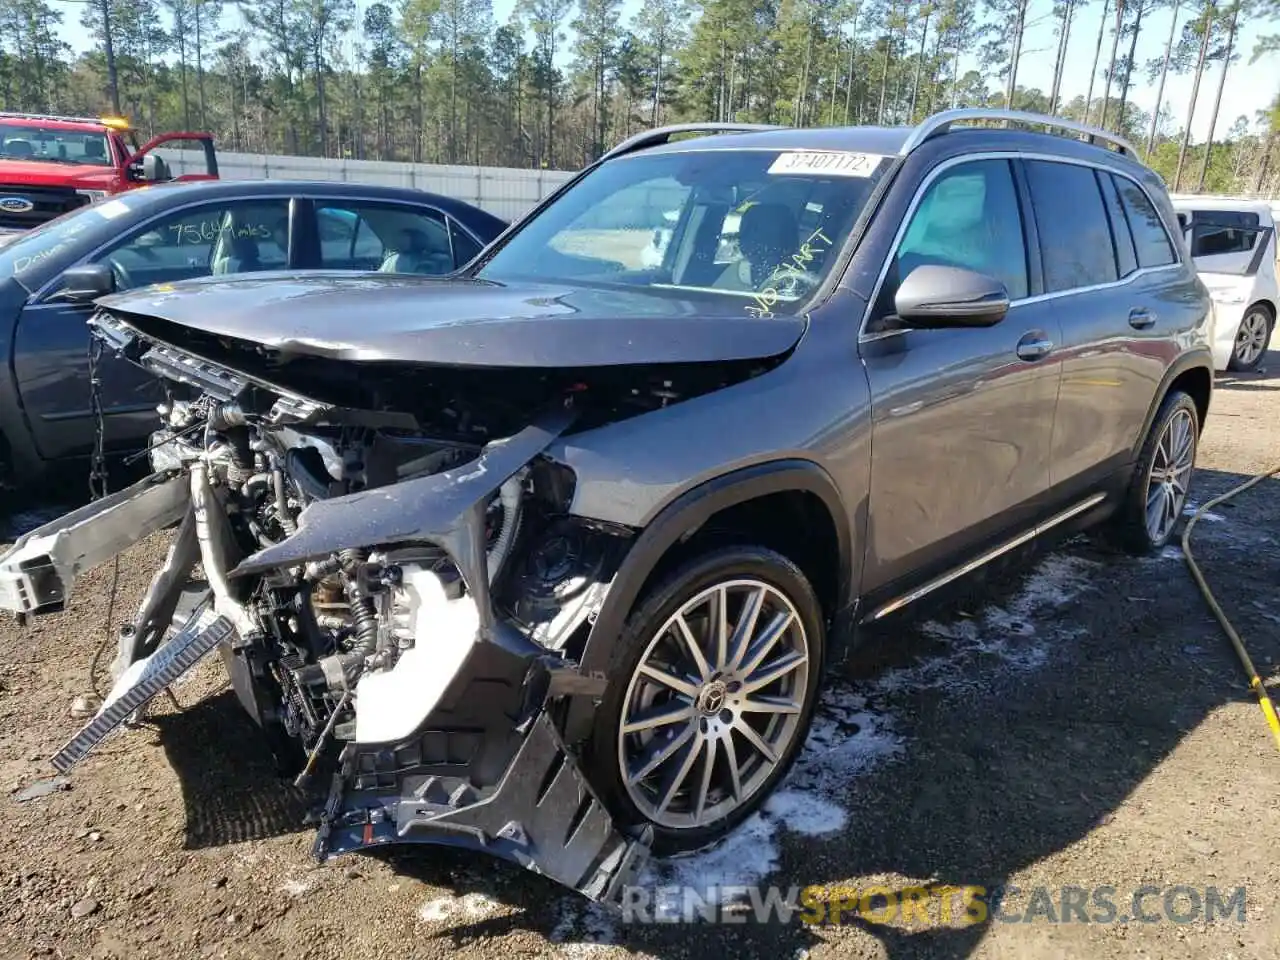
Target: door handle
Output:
[(1034, 346), (1140, 318)]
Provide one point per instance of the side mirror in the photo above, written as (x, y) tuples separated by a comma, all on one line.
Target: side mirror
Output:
[(935, 297), (149, 169), (87, 283)]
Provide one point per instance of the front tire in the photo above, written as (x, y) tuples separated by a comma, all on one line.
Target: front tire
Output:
[(1252, 339), (1158, 491), (712, 687)]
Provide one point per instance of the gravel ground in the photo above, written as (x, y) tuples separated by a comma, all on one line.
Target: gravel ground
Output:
[(1079, 723)]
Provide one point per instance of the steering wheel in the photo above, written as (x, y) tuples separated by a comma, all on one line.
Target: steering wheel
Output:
[(121, 275)]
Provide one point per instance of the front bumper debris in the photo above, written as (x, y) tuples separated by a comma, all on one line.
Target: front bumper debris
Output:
[(38, 572), (541, 814), (144, 680)]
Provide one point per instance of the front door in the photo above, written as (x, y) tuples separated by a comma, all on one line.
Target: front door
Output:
[(962, 418), (51, 349)]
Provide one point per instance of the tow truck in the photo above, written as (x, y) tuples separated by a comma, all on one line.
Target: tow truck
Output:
[(51, 165)]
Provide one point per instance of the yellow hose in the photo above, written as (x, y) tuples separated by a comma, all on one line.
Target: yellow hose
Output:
[(1255, 682)]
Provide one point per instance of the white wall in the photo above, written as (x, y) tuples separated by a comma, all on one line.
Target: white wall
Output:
[(504, 192)]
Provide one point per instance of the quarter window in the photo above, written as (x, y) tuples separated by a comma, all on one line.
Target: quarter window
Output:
[(968, 217), (1149, 236), (1075, 239)]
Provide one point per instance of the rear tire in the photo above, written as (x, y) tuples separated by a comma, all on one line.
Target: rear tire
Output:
[(1157, 493), (692, 739), (1252, 339)]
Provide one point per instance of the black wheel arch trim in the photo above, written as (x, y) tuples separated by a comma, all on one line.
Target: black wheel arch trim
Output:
[(679, 520), (1199, 358)]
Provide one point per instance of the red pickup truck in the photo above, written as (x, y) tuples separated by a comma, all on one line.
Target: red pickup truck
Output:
[(51, 165)]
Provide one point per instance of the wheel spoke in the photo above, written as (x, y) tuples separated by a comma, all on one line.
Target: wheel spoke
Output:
[(719, 616), (746, 627), (735, 772), (774, 671), (668, 680), (667, 713), (1155, 511), (757, 741), (769, 705), (704, 786), (661, 754), (694, 648), (772, 634), (674, 784)]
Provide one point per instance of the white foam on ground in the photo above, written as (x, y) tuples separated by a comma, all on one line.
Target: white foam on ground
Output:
[(296, 888), (471, 906), (583, 928), (1008, 634)]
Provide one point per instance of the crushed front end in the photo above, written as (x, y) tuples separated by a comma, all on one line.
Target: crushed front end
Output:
[(395, 599)]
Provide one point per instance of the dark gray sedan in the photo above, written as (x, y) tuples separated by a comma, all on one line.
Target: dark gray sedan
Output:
[(50, 276)]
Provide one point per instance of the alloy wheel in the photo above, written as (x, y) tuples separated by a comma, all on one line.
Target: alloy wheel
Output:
[(714, 704), (1251, 338), (1171, 465)]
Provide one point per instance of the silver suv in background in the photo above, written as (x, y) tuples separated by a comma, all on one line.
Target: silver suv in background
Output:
[(548, 556)]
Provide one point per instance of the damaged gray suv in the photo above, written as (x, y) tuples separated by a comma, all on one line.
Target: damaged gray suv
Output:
[(547, 558)]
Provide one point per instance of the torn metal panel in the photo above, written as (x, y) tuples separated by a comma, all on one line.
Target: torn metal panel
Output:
[(427, 508)]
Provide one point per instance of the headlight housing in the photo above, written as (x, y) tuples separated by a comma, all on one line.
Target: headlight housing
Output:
[(92, 196)]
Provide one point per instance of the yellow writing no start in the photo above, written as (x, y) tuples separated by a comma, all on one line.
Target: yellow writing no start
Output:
[(883, 905)]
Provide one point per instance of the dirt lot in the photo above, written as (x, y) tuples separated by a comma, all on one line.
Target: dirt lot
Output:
[(1082, 725)]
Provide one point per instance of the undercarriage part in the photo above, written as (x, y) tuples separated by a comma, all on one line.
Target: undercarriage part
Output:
[(38, 572), (144, 680), (542, 815)]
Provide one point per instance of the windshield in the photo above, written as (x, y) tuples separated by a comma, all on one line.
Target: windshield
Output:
[(52, 245), (756, 230), (31, 141)]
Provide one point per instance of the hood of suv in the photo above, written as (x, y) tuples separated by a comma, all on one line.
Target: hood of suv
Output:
[(409, 319)]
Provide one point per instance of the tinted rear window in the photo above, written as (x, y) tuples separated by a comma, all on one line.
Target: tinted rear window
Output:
[(1149, 236), (1126, 254), (1075, 236)]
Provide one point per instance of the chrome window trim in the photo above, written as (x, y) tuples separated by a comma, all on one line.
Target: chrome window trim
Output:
[(945, 165), (39, 296)]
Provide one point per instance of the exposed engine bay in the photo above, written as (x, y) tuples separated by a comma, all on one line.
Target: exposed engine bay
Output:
[(397, 589)]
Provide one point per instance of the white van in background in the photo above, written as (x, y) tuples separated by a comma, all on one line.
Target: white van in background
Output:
[(1233, 244)]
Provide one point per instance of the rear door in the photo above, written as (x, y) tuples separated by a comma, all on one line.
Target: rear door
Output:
[(1112, 275), (962, 418), (51, 363)]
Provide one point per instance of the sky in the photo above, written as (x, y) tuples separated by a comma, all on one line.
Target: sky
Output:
[(1250, 88)]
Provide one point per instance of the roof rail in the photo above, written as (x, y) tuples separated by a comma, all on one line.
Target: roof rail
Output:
[(661, 135), (942, 122), (9, 115)]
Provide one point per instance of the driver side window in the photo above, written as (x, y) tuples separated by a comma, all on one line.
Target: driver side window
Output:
[(968, 217), (218, 239)]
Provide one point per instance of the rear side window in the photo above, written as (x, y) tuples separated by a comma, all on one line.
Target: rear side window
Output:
[(1222, 231), (1126, 255), (1149, 236), (1075, 235)]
